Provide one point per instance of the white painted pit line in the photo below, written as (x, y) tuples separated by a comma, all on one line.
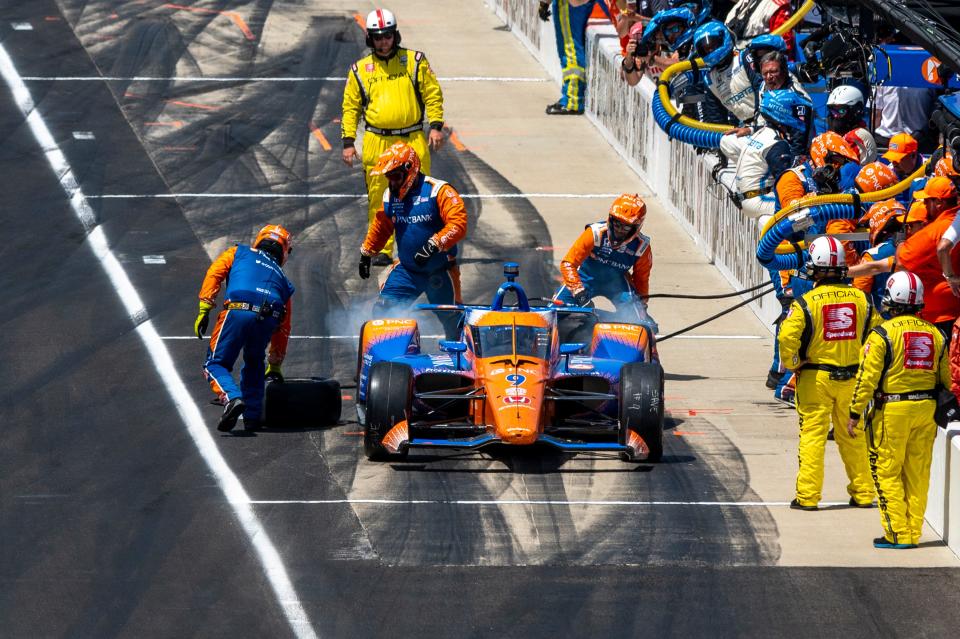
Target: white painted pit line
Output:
[(530, 502), (230, 79), (356, 337), (274, 570), (334, 196)]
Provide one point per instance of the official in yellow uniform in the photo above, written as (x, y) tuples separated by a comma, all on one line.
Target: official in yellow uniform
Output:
[(390, 89), (904, 361), (820, 339)]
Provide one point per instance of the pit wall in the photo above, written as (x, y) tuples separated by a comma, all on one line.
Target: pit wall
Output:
[(624, 117)]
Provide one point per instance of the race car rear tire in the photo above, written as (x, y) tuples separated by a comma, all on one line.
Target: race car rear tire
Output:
[(641, 405), (389, 397)]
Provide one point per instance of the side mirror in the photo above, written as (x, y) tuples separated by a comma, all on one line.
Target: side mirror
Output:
[(449, 346), (571, 349)]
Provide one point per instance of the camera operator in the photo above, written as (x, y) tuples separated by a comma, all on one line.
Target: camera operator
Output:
[(661, 43)]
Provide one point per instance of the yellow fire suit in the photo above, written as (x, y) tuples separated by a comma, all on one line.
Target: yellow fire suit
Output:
[(904, 359), (391, 96), (820, 339)]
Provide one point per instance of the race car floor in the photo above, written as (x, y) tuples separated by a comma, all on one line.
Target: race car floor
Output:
[(124, 513)]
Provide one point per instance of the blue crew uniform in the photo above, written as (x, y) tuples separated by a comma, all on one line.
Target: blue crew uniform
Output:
[(430, 211), (256, 315)]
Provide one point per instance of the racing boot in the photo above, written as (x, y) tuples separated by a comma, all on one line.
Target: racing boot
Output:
[(883, 542), (856, 504), (231, 413)]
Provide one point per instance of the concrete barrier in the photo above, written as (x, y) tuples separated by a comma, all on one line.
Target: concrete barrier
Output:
[(951, 533), (937, 494)]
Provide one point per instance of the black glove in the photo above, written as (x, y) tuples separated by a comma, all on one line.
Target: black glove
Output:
[(544, 11), (427, 251), (581, 298), (364, 266)]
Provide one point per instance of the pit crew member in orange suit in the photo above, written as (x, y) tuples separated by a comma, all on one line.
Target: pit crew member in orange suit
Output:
[(919, 254), (612, 259), (429, 219), (885, 220), (903, 363), (255, 315), (820, 338)]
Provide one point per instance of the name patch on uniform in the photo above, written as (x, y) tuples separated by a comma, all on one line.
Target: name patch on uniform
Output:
[(918, 350), (839, 322)]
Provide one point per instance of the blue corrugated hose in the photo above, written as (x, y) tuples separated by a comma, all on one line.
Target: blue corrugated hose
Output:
[(783, 230), (682, 132)]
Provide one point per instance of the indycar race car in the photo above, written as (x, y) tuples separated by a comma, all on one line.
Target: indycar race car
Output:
[(508, 380)]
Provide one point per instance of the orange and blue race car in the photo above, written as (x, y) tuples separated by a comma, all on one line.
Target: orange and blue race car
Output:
[(508, 380)]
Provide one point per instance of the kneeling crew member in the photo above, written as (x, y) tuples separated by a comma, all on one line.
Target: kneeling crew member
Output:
[(611, 259), (429, 219), (256, 313), (904, 361), (820, 338)]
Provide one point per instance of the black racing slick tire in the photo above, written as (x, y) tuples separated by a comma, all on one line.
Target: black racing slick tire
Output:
[(302, 403), (641, 405), (389, 398)]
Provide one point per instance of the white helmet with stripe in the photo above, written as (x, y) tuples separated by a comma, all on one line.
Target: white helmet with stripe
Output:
[(380, 21), (904, 292), (826, 257)]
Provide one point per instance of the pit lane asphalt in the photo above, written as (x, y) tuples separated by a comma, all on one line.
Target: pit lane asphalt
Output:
[(111, 523)]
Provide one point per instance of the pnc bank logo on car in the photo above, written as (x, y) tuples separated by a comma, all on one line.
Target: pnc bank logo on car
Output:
[(918, 350), (839, 322)]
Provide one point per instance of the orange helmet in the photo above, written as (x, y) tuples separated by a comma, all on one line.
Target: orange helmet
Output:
[(827, 146), (400, 155), (881, 216), (875, 176), (944, 167), (627, 212), (278, 235)]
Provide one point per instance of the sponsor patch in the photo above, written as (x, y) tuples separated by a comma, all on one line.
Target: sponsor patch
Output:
[(514, 399), (918, 350), (839, 322), (369, 67)]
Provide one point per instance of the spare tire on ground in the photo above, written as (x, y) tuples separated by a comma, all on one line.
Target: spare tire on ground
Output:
[(302, 403)]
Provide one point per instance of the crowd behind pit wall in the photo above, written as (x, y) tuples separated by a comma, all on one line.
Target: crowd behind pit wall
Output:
[(892, 266)]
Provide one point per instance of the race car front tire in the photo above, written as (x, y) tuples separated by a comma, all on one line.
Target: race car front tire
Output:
[(389, 397), (641, 405)]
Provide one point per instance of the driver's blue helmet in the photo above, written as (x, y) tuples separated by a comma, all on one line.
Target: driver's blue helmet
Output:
[(701, 9), (787, 108), (768, 41), (713, 42)]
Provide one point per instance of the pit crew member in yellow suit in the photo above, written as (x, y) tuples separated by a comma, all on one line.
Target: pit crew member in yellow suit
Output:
[(390, 89), (820, 339), (904, 360)]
